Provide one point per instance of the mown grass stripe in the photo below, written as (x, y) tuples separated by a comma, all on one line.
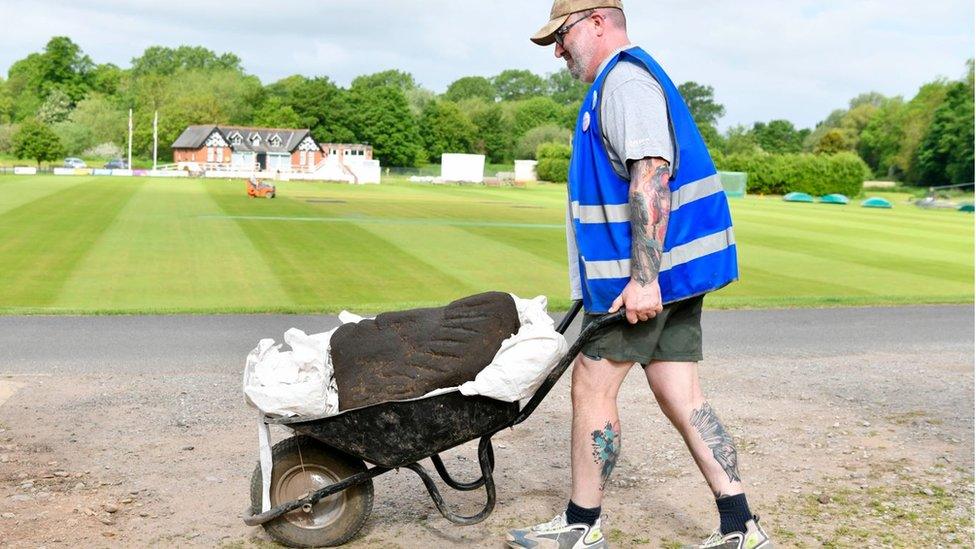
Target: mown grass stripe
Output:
[(722, 301), (337, 263), (551, 195), (41, 242), (155, 253), (496, 264), (758, 281), (874, 255), (403, 245), (951, 233), (909, 217), (439, 203), (545, 245), (392, 221), (832, 270), (15, 191)]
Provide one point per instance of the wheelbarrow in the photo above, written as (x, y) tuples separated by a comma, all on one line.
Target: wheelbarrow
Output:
[(321, 488)]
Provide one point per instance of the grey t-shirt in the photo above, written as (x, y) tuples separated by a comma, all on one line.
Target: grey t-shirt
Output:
[(633, 116), (634, 123)]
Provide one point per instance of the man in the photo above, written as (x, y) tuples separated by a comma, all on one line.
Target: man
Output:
[(649, 231)]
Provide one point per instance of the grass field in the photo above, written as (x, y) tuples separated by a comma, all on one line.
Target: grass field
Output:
[(121, 245)]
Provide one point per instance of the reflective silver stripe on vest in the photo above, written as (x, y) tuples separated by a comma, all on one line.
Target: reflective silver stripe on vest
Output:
[(608, 213), (679, 255), (596, 270), (696, 190), (715, 242), (619, 213)]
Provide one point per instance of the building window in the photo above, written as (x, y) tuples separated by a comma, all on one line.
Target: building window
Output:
[(220, 154), (302, 157), (255, 140), (275, 141), (210, 154)]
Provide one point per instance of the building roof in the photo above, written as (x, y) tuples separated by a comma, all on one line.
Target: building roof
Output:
[(194, 137)]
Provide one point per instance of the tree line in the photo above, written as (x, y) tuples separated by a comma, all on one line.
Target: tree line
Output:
[(62, 95), (925, 140)]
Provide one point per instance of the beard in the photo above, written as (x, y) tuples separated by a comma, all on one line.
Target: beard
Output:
[(578, 58)]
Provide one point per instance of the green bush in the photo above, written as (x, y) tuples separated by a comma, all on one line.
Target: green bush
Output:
[(842, 173), (529, 143), (7, 132), (75, 137), (553, 162)]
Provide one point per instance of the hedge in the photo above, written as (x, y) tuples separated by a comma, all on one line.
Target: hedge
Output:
[(817, 175), (553, 162)]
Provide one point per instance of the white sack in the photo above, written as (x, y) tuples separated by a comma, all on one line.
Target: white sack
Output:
[(300, 382), (525, 359), (292, 383)]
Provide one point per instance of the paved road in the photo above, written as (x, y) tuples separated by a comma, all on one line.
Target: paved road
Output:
[(218, 344), (148, 410)]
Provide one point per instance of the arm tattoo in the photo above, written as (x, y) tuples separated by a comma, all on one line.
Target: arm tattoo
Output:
[(650, 207), (606, 449), (718, 439)]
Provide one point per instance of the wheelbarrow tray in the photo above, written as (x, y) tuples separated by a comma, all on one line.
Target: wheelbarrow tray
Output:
[(395, 434), (400, 434)]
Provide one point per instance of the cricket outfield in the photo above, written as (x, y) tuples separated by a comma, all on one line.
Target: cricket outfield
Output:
[(103, 245)]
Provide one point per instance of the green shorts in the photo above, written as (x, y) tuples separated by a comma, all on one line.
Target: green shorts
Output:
[(674, 335)]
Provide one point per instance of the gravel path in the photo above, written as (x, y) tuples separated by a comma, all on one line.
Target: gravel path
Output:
[(132, 431)]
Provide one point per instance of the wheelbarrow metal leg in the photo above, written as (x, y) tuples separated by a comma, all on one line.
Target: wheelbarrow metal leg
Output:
[(461, 486), (487, 465)]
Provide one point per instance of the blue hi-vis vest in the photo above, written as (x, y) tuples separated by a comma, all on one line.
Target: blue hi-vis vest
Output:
[(699, 249)]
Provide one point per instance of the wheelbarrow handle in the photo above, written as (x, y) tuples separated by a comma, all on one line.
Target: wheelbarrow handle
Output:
[(599, 323), (606, 320), (574, 310)]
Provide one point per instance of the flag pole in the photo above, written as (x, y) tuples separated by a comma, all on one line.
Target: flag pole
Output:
[(130, 140), (155, 138)]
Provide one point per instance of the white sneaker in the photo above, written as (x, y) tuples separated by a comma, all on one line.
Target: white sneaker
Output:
[(753, 538), (556, 534)]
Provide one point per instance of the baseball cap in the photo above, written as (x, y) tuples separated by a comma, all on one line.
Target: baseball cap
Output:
[(562, 9)]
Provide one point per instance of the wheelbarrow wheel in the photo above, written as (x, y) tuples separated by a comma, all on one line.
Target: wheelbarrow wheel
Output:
[(303, 465)]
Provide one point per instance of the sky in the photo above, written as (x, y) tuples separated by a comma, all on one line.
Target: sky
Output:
[(766, 59)]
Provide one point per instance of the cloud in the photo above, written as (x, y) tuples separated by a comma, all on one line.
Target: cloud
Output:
[(796, 60)]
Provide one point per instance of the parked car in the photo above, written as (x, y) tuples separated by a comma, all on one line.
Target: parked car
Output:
[(74, 163), (116, 164)]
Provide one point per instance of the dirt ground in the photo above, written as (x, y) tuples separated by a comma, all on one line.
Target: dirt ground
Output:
[(868, 449)]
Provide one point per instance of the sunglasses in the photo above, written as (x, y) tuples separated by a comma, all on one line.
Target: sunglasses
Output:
[(561, 32)]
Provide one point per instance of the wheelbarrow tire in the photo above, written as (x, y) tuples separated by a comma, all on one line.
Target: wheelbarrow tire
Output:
[(334, 520)]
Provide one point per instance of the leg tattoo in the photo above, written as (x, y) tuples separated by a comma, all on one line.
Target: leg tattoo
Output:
[(606, 449), (718, 439)]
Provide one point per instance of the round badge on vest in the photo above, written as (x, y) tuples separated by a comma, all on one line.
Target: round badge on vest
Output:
[(586, 121)]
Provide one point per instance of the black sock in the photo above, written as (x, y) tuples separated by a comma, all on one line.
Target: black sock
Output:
[(578, 515), (734, 513)]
